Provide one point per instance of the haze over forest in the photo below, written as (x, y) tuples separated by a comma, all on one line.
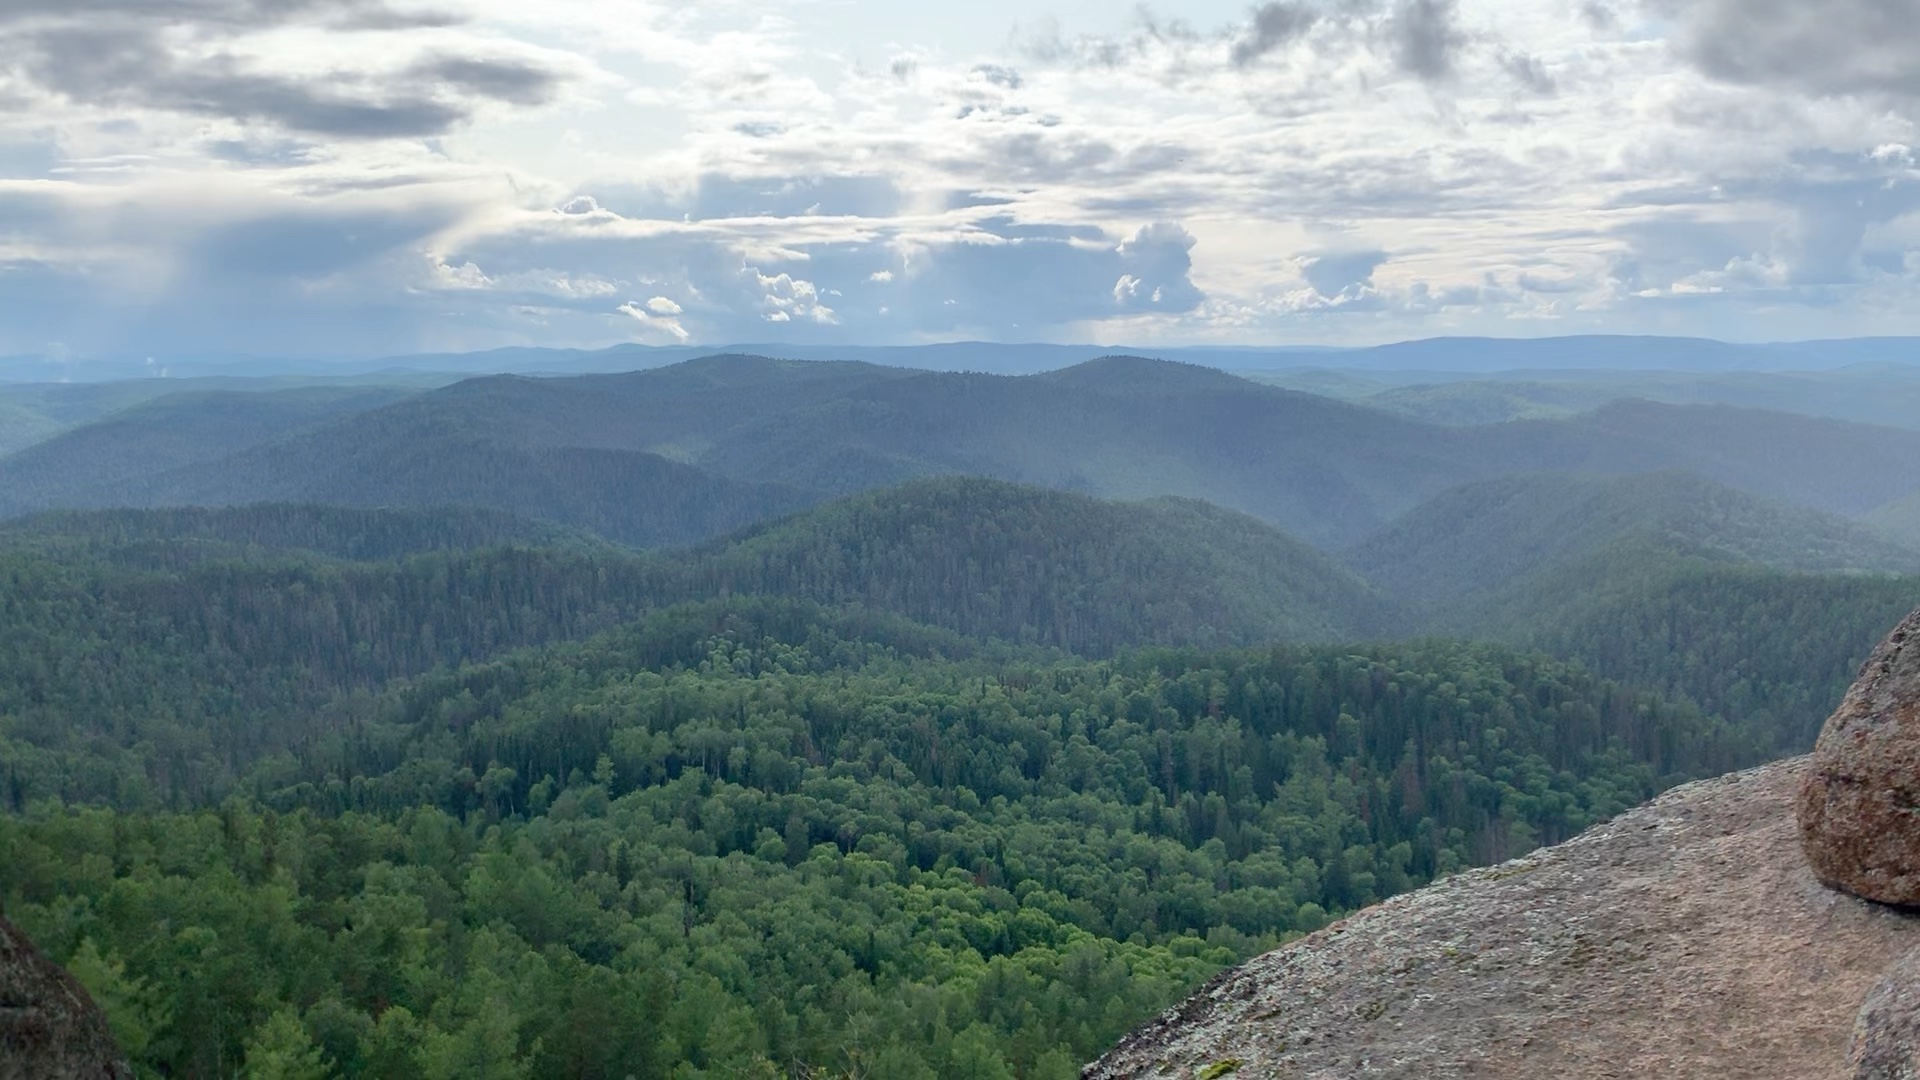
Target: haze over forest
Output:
[(797, 539)]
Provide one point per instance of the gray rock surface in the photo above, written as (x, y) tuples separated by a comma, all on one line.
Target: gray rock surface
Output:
[(1886, 1036), (49, 1028), (1860, 810), (1685, 938)]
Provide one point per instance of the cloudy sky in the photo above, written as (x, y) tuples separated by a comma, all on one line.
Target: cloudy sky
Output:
[(363, 177)]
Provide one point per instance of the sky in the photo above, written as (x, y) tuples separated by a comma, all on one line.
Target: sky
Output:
[(333, 178)]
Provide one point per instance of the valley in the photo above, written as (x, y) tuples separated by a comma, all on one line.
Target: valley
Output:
[(745, 712)]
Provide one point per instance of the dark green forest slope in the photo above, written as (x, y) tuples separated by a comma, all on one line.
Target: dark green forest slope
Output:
[(1772, 650), (31, 412), (105, 462), (1465, 547), (1757, 611), (178, 537), (216, 634), (761, 839), (1023, 564)]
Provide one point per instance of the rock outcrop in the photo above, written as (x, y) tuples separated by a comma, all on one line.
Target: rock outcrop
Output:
[(1686, 938), (1886, 1036), (49, 1028), (1860, 808)]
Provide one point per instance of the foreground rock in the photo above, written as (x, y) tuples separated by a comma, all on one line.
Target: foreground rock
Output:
[(1686, 938), (1860, 811), (1886, 1037), (49, 1027)]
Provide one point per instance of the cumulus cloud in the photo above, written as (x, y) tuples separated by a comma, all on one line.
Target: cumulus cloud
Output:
[(344, 175), (1332, 274), (654, 322)]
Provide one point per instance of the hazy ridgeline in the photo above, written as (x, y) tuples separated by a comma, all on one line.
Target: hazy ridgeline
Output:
[(746, 716)]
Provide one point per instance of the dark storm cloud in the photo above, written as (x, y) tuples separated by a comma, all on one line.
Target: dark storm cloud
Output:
[(1275, 26), (117, 54), (516, 82), (234, 15), (1426, 38), (1833, 47), (292, 247), (1421, 38), (244, 284)]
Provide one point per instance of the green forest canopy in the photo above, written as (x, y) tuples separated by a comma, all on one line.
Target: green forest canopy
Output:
[(302, 791), (756, 836)]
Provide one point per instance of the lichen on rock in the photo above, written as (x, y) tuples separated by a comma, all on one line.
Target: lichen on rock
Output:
[(1859, 809), (1886, 1035)]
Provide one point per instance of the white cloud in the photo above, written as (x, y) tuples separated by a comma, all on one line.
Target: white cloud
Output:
[(653, 322), (1407, 168)]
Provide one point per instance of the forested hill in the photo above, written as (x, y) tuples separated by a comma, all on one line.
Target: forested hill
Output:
[(221, 628), (182, 536), (105, 462), (752, 837), (1468, 544), (1755, 610), (1831, 465), (1028, 565), (693, 451), (450, 793)]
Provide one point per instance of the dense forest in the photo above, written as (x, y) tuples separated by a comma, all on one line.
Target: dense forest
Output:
[(853, 735), (764, 837)]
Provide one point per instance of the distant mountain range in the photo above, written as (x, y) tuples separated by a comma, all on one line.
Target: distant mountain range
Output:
[(1465, 354), (1886, 394), (673, 455)]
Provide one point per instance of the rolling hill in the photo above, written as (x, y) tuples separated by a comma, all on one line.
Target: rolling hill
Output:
[(183, 536), (1757, 611), (991, 559), (1885, 394), (1468, 546), (678, 454), (33, 412), (91, 465), (629, 497), (189, 627), (1898, 520)]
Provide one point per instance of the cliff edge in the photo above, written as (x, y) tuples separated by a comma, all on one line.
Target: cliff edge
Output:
[(1685, 938)]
